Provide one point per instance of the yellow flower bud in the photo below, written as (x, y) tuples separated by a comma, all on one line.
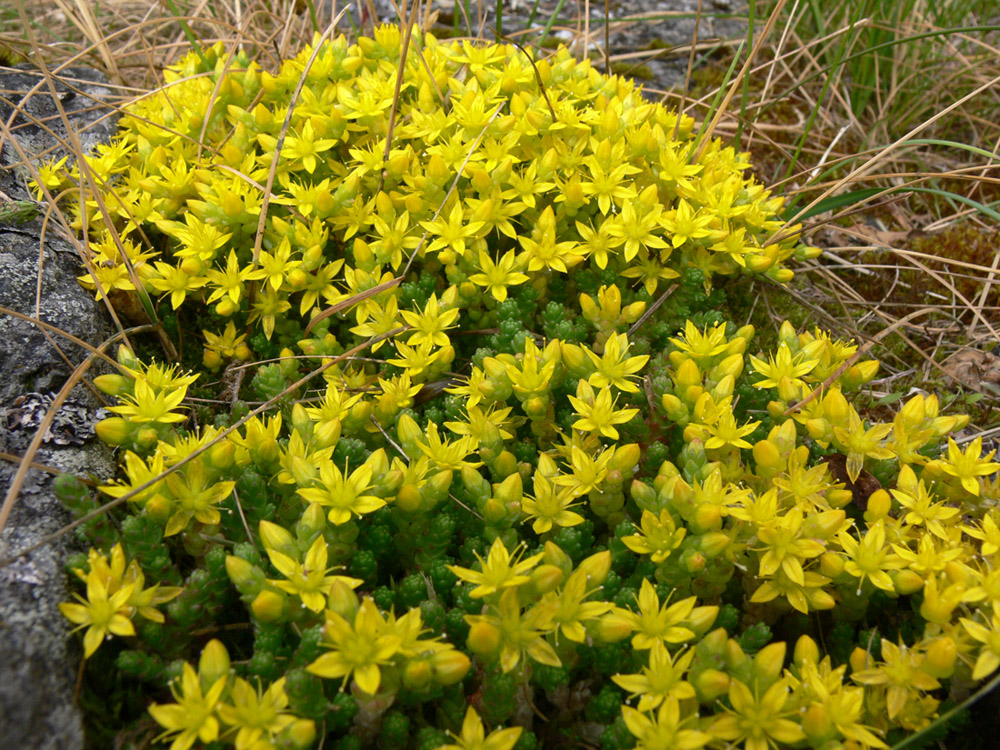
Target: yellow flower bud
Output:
[(940, 658), (113, 430), (817, 724), (688, 375), (113, 384), (626, 458), (553, 554), (484, 638), (246, 576), (269, 605), (158, 507), (831, 565), (211, 359), (504, 464), (710, 685), (408, 498), (417, 674), (213, 664), (713, 544), (768, 662), (510, 490), (806, 650), (221, 456), (343, 600), (768, 457), (859, 374), (543, 579), (596, 568), (494, 511), (861, 660), (610, 628), (879, 505), (449, 666), (702, 618), (299, 735)]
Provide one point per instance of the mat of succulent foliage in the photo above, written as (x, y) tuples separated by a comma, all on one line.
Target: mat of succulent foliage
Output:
[(501, 461)]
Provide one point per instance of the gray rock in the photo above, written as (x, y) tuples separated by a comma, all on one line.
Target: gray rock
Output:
[(38, 659)]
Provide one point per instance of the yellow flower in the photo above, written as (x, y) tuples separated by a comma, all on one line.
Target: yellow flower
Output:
[(357, 648), (870, 557), (474, 737), (783, 367), (598, 415), (661, 681), (98, 613), (496, 277), (521, 633), (659, 537), (549, 507), (431, 323), (614, 366), (967, 467), (989, 654), (653, 623), (256, 715), (344, 496), (900, 672), (192, 717), (664, 731), (759, 721), (152, 405), (308, 580), (499, 571)]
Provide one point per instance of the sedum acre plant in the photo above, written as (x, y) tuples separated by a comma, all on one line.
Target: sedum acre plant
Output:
[(504, 475)]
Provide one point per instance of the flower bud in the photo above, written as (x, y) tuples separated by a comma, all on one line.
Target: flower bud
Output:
[(806, 650), (449, 666), (113, 384), (859, 374), (688, 375), (824, 525), (543, 579), (299, 735), (906, 582), (817, 724), (342, 599), (702, 618), (768, 663), (596, 568), (711, 684), (221, 456), (610, 628), (269, 605), (277, 538), (713, 544), (861, 660), (247, 577), (879, 505), (831, 565), (768, 458), (553, 555), (494, 511), (213, 664), (626, 458), (113, 430), (940, 658), (408, 498), (484, 638), (417, 674), (504, 464), (675, 409)]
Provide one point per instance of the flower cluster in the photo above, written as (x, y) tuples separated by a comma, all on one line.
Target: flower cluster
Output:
[(540, 472)]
